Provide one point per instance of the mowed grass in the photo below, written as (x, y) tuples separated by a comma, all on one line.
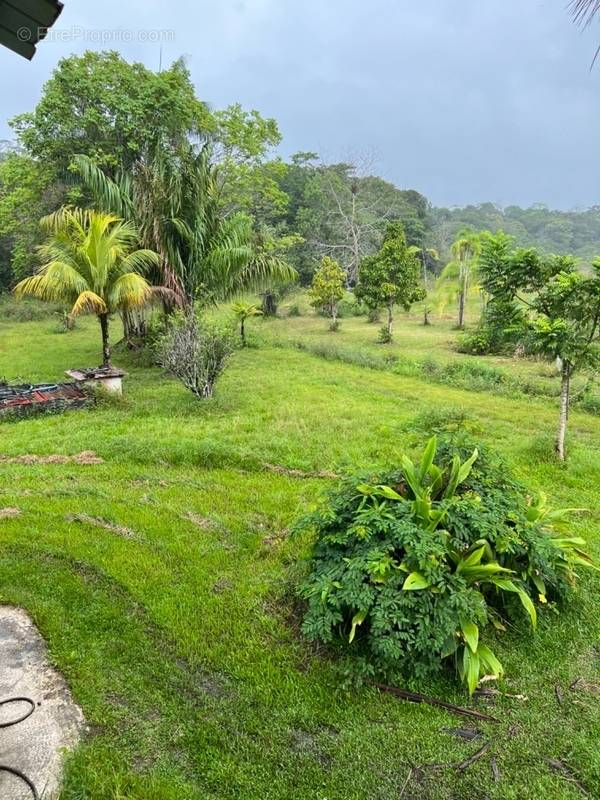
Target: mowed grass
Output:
[(163, 581)]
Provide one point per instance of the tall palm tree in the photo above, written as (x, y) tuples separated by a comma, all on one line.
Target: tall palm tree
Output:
[(174, 198), (459, 275), (91, 261)]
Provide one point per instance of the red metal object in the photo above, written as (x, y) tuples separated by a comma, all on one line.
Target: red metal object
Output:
[(23, 399)]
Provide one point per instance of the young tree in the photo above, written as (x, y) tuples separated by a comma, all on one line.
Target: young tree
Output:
[(243, 312), (327, 288), (460, 273), (392, 277), (563, 304), (426, 255), (91, 262)]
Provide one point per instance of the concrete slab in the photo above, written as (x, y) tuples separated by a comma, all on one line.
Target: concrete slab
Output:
[(36, 745)]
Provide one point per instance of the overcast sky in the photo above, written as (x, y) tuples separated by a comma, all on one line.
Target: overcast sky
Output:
[(464, 100)]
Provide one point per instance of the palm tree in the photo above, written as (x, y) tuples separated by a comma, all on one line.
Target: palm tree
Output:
[(460, 273), (174, 198), (91, 261), (243, 312)]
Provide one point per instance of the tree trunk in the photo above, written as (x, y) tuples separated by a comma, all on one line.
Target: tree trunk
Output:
[(390, 321), (243, 332), (105, 342), (269, 303), (461, 309), (563, 416), (426, 287)]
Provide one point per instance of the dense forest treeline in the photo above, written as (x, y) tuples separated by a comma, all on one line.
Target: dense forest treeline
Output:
[(99, 106)]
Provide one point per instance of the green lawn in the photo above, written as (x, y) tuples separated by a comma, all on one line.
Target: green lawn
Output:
[(178, 628)]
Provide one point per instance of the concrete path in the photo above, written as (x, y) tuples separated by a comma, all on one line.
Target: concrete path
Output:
[(35, 746)]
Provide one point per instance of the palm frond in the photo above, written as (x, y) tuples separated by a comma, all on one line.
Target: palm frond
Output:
[(109, 195), (88, 303), (139, 261), (129, 291), (584, 11)]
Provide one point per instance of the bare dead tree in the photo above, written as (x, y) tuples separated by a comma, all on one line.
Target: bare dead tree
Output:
[(196, 354), (356, 216)]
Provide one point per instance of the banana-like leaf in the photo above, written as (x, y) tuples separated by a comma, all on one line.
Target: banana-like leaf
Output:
[(470, 631), (453, 479), (471, 560), (484, 572), (489, 662), (465, 469), (509, 586), (471, 669), (379, 491), (415, 582), (450, 646), (427, 459), (357, 620), (411, 476)]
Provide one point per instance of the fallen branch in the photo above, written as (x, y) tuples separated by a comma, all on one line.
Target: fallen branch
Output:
[(415, 697), (481, 692), (495, 770), (559, 694), (568, 774), (475, 757), (406, 782)]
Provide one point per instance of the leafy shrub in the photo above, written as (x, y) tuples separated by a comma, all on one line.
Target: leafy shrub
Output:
[(477, 342), (350, 307), (334, 325), (443, 420), (590, 403), (414, 568), (501, 329), (26, 309), (373, 315), (474, 375), (294, 310), (385, 337), (196, 353)]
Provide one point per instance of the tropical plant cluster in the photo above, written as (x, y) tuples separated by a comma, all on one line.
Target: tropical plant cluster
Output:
[(429, 564)]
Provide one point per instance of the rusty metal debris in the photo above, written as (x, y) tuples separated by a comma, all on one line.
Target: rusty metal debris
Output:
[(25, 399)]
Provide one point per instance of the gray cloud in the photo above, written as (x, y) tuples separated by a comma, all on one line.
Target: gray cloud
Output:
[(465, 101)]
